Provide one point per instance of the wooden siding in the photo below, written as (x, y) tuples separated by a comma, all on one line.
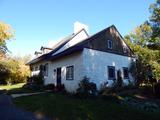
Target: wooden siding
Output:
[(100, 42)]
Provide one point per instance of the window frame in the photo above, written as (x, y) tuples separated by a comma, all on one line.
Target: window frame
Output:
[(72, 72), (124, 75), (124, 49), (109, 44), (46, 66), (36, 68), (109, 77)]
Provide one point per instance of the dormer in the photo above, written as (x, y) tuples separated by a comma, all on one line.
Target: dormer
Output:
[(37, 53), (45, 49), (80, 34)]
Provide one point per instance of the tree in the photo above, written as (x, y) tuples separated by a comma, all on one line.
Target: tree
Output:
[(144, 40), (141, 35), (4, 72), (6, 33), (155, 21), (146, 57), (13, 70)]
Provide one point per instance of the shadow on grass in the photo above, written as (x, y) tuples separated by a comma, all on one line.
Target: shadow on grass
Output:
[(24, 90), (54, 105)]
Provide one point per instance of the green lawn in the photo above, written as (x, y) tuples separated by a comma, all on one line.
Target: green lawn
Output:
[(18, 88), (65, 107), (10, 87)]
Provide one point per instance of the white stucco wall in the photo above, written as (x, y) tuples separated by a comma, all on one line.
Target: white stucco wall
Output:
[(35, 72), (46, 78), (78, 38), (76, 60), (91, 63), (96, 65)]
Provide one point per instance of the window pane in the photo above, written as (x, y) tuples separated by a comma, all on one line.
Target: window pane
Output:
[(125, 73), (69, 73), (46, 69), (111, 72), (109, 44)]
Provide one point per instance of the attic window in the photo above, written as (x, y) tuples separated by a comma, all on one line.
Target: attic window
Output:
[(110, 44), (124, 49)]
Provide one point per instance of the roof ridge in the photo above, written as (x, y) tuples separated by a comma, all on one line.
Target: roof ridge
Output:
[(67, 40)]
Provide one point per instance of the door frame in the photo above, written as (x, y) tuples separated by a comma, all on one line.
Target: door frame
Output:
[(59, 77)]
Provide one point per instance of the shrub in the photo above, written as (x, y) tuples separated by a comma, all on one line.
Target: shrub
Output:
[(146, 89), (86, 88), (60, 88), (157, 89), (103, 86), (49, 87), (37, 79), (112, 97), (141, 105), (4, 72), (13, 70), (119, 79), (31, 87)]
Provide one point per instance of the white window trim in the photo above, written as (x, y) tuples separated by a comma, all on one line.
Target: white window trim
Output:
[(72, 73)]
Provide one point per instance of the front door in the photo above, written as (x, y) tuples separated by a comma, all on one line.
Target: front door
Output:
[(58, 76)]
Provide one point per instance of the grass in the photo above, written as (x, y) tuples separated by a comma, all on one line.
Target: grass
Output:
[(63, 107), (18, 88), (10, 87)]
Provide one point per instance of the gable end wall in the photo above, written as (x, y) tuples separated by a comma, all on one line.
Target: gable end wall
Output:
[(96, 65)]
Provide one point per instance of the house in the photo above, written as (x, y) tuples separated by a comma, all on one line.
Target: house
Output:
[(99, 57)]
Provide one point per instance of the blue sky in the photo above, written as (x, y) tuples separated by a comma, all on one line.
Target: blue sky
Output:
[(36, 22)]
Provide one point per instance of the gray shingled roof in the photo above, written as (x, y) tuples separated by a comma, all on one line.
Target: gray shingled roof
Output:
[(55, 48)]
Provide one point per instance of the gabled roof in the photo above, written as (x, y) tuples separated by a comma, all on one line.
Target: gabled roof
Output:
[(83, 44), (55, 48), (77, 47)]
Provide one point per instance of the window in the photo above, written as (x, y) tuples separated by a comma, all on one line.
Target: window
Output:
[(46, 69), (69, 73), (124, 49), (36, 68), (125, 73), (111, 72), (109, 44), (31, 68)]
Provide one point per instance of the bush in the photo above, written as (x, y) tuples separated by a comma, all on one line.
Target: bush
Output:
[(13, 70), (112, 97), (4, 72), (157, 89), (119, 81), (49, 87), (141, 105), (31, 86), (103, 86), (86, 88), (147, 89), (37, 79), (60, 88)]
